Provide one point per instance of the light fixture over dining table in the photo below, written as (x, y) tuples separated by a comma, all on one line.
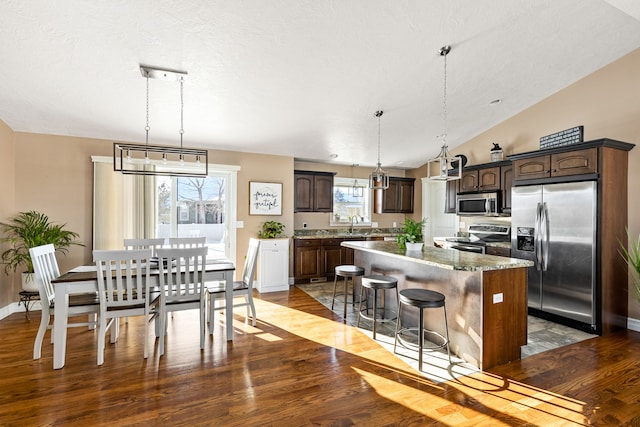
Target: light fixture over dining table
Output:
[(147, 159)]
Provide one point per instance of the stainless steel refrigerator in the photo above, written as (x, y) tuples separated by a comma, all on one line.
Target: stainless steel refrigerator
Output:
[(554, 225)]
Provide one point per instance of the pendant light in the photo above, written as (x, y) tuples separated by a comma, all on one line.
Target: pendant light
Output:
[(378, 179), (137, 159), (438, 167), (357, 190)]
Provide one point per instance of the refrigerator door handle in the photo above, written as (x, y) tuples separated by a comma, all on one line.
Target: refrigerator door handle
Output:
[(545, 236), (537, 239)]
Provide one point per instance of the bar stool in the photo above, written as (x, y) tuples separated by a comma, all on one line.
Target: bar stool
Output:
[(346, 271), (375, 283), (422, 299)]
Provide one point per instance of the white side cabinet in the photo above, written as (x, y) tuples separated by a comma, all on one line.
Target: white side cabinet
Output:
[(273, 266)]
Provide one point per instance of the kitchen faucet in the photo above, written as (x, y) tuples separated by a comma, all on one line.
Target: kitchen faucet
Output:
[(353, 218)]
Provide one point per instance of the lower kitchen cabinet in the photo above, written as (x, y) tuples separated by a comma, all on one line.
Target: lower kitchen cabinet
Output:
[(306, 259), (316, 259), (494, 250)]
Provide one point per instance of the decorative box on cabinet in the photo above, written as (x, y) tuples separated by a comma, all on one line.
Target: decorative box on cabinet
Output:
[(273, 266)]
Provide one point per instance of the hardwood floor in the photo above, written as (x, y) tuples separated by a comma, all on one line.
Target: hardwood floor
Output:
[(301, 366)]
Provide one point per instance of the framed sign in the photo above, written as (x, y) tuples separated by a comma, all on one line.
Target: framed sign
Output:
[(265, 198)]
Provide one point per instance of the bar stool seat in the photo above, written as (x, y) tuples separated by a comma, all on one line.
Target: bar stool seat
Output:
[(375, 283), (422, 299), (346, 271)]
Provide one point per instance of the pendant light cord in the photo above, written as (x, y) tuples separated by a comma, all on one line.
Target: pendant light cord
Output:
[(181, 110), (147, 128), (378, 115)]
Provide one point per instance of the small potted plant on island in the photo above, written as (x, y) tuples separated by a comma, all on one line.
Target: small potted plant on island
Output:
[(271, 230), (28, 230), (411, 236)]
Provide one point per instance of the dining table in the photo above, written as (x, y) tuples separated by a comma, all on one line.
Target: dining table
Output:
[(83, 279)]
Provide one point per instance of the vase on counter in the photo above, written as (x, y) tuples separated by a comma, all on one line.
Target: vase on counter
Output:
[(414, 247)]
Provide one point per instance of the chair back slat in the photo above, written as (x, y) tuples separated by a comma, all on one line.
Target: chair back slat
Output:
[(123, 276), (182, 272), (153, 244), (187, 242), (45, 267), (250, 261)]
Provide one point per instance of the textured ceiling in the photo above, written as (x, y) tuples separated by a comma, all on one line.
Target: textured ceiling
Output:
[(300, 78)]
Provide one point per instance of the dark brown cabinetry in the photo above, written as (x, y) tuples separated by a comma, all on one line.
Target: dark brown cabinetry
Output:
[(486, 179), (398, 198), (316, 259), (493, 250), (450, 196), (576, 162), (506, 182), (306, 259), (313, 191)]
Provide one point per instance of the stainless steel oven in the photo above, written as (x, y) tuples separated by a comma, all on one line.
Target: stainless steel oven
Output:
[(478, 204)]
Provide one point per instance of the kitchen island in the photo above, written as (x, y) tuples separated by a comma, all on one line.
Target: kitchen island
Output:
[(486, 296)]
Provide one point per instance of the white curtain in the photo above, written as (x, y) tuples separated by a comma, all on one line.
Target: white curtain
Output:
[(124, 206)]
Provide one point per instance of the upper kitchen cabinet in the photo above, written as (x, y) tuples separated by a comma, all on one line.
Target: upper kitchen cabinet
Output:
[(485, 179), (506, 182), (574, 162), (398, 198), (313, 191)]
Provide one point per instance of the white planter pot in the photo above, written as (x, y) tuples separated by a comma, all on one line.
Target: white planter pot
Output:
[(29, 282), (414, 247)]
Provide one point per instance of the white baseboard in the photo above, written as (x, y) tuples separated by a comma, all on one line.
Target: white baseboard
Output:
[(16, 307), (633, 324)]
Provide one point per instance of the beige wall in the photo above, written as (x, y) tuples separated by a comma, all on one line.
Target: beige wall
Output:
[(320, 220), (54, 174), (7, 196), (606, 102)]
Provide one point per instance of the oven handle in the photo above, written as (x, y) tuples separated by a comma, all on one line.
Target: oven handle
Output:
[(469, 248)]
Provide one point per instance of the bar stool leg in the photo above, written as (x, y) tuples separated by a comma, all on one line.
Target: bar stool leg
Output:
[(335, 281), (395, 342), (446, 330), (375, 308), (344, 298), (421, 338), (360, 306)]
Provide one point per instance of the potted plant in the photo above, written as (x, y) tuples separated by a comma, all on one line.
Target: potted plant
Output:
[(271, 230), (632, 257), (411, 236), (27, 230)]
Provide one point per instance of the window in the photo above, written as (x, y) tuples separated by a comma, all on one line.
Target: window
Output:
[(134, 206), (347, 205), (192, 207)]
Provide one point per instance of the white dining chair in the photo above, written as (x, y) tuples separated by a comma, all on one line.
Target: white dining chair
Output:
[(46, 269), (152, 244), (241, 288), (182, 286), (124, 290), (187, 242)]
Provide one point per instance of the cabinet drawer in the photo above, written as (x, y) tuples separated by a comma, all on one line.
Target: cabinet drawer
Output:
[(303, 243), (331, 242), (493, 250)]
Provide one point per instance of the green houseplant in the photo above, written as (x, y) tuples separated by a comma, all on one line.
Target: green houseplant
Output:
[(632, 257), (27, 230), (411, 233), (271, 230)]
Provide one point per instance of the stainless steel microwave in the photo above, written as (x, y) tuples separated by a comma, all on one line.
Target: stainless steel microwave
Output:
[(478, 204)]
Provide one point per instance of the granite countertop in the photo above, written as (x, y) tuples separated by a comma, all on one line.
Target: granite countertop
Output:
[(447, 259), (322, 234), (506, 245)]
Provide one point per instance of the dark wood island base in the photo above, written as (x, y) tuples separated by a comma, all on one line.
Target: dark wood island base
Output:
[(486, 296)]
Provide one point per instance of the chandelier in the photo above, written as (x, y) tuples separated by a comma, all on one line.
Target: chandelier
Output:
[(138, 159), (379, 179), (438, 167)]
